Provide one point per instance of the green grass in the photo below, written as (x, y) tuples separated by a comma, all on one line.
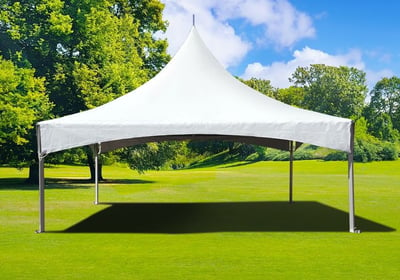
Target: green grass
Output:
[(225, 222)]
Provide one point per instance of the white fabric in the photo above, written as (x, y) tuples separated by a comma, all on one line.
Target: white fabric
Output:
[(193, 95)]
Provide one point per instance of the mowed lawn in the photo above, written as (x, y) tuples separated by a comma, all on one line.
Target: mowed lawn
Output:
[(224, 222)]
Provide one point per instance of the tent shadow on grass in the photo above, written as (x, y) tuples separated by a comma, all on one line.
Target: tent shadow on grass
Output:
[(179, 218), (64, 183)]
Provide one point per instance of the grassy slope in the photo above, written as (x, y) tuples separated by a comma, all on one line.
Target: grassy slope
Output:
[(252, 253)]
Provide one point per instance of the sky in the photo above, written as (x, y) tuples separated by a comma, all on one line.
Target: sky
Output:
[(269, 39)]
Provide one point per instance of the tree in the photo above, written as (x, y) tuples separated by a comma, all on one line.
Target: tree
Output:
[(114, 51), (383, 110), (263, 86), (108, 64), (292, 95), (88, 51), (23, 102), (153, 155), (338, 91)]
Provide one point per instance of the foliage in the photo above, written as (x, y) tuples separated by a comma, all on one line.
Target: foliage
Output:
[(336, 156), (109, 65), (369, 148), (183, 158), (388, 151), (292, 95), (263, 86), (210, 147), (383, 110), (380, 125), (76, 156), (36, 31), (338, 91), (365, 151), (152, 49), (23, 102), (279, 155), (154, 156), (243, 150), (88, 52)]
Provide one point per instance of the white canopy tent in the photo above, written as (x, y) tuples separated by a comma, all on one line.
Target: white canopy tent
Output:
[(194, 97)]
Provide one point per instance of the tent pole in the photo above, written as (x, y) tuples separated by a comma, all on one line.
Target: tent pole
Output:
[(96, 178), (41, 195), (41, 157), (291, 172), (97, 152), (96, 174), (350, 159), (351, 192)]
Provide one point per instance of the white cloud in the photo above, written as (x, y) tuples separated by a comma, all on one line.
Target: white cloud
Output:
[(279, 72), (282, 23), (220, 37)]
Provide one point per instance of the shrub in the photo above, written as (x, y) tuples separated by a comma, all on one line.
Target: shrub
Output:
[(276, 155), (303, 155), (369, 150), (388, 151), (336, 156)]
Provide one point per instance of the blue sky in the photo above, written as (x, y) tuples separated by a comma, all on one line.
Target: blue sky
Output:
[(268, 39)]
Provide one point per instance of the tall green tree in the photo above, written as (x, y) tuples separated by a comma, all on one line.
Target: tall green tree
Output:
[(383, 110), (110, 42), (23, 102), (36, 31), (338, 91), (292, 95), (88, 51)]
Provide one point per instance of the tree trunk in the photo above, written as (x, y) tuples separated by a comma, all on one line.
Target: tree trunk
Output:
[(92, 168), (33, 173)]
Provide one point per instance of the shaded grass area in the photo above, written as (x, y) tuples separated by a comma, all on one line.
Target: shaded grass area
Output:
[(228, 221), (257, 216)]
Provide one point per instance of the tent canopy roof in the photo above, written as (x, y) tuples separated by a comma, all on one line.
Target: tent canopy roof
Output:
[(193, 97)]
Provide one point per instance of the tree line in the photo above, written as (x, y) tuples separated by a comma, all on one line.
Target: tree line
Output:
[(342, 91), (59, 57)]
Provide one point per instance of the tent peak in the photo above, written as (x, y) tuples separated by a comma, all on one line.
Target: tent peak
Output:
[(194, 20)]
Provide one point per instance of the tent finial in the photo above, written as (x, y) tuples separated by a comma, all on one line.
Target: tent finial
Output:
[(194, 20)]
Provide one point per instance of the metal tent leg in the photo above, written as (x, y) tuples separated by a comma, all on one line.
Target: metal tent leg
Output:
[(97, 152), (291, 147), (352, 227), (96, 178), (41, 195)]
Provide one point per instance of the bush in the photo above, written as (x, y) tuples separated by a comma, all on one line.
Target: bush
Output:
[(73, 156), (369, 150), (276, 155), (365, 151), (389, 151), (303, 155), (336, 156), (210, 147)]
